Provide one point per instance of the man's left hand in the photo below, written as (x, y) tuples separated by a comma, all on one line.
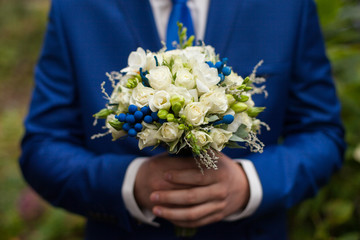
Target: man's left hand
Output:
[(212, 196)]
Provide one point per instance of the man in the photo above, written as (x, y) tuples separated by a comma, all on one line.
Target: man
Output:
[(115, 185)]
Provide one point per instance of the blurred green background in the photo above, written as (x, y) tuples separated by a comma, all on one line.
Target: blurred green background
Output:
[(333, 214)]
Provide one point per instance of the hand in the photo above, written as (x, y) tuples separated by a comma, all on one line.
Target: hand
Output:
[(212, 197), (150, 177)]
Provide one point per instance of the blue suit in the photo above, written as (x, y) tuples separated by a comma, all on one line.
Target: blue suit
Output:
[(86, 38)]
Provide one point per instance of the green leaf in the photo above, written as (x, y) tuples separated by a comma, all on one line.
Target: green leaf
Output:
[(184, 41), (190, 41), (116, 124), (173, 145), (236, 138), (172, 148), (213, 118), (254, 111), (339, 211), (241, 132), (350, 236), (232, 144), (328, 10), (103, 113), (181, 146)]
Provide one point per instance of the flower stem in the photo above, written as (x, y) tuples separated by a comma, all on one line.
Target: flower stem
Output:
[(185, 232)]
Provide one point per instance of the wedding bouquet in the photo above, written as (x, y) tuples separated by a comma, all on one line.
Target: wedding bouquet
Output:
[(186, 99)]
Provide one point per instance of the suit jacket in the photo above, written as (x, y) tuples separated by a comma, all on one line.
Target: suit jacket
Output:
[(86, 38)]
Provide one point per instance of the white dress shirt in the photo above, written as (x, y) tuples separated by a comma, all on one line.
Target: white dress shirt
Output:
[(199, 12)]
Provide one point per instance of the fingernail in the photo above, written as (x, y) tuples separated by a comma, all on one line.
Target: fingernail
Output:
[(157, 211), (154, 197)]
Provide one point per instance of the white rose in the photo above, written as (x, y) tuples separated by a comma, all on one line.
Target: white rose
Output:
[(150, 60), (229, 112), (141, 95), (194, 94), (147, 138), (169, 132), (195, 113), (233, 78), (178, 64), (124, 79), (219, 137), (160, 100), (185, 79), (171, 54), (202, 138), (206, 77), (210, 53), (195, 53), (159, 78), (181, 91), (240, 118), (137, 59), (216, 100)]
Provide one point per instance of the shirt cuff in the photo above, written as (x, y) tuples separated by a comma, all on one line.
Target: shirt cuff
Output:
[(256, 192), (127, 191)]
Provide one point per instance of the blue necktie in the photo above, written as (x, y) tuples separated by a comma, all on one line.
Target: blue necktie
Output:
[(180, 13)]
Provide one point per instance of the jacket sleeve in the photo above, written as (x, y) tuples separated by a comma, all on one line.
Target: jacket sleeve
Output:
[(312, 141), (54, 160)]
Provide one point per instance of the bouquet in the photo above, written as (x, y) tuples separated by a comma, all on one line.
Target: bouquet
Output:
[(185, 99)]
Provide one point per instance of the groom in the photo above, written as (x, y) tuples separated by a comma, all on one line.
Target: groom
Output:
[(130, 194)]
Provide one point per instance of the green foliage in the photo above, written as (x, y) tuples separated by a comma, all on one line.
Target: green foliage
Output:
[(184, 40), (335, 212), (22, 23), (103, 113)]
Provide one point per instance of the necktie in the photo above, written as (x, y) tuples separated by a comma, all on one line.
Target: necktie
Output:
[(180, 13)]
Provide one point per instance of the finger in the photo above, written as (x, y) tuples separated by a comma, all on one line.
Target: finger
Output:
[(212, 218), (189, 214), (189, 196), (189, 177)]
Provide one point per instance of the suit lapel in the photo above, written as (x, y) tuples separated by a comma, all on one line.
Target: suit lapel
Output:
[(140, 20), (220, 23)]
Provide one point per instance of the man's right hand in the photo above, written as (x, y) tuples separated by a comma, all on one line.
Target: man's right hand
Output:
[(150, 176)]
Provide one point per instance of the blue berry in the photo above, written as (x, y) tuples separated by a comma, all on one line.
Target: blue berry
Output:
[(226, 71), (222, 77), (121, 117), (138, 127), (154, 116), (148, 119), (130, 119), (219, 65), (132, 132), (224, 60), (138, 115), (145, 110), (228, 119), (210, 64), (161, 121), (218, 122), (126, 127), (132, 109)]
